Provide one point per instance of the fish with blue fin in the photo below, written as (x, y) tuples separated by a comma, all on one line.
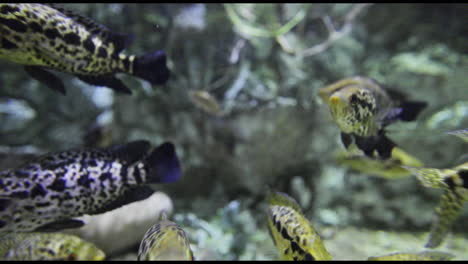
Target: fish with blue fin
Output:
[(362, 109), (293, 235), (454, 182), (45, 37), (47, 246), (165, 240), (45, 194)]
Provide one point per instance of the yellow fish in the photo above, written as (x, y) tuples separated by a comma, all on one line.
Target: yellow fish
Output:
[(165, 241), (389, 168), (362, 109), (47, 246), (455, 184), (425, 255), (292, 233), (205, 101)]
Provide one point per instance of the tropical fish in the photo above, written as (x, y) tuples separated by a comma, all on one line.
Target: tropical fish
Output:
[(47, 246), (462, 133), (205, 101), (425, 255), (45, 194), (387, 168), (45, 37), (292, 233), (165, 241), (362, 109), (455, 184)]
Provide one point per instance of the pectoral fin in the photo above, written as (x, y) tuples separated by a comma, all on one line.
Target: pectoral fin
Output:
[(46, 78), (106, 80), (448, 210), (130, 196), (59, 225), (381, 143)]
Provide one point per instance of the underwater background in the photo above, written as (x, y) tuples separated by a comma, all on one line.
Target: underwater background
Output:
[(264, 126)]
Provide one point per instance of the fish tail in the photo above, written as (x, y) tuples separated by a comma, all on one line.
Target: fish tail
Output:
[(152, 67), (448, 210), (163, 164)]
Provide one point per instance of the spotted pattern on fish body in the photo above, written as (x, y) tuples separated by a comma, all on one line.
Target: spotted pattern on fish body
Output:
[(165, 241), (362, 109), (454, 182), (291, 232), (47, 246), (56, 187), (49, 37)]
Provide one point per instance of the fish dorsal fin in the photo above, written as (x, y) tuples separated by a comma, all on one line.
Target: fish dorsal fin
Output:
[(130, 152), (119, 40), (132, 195), (282, 199)]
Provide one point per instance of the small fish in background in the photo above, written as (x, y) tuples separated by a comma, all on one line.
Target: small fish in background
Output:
[(45, 194), (389, 168), (204, 100), (47, 246), (425, 255), (454, 182), (165, 241), (462, 133), (362, 109), (45, 37), (292, 233), (97, 136)]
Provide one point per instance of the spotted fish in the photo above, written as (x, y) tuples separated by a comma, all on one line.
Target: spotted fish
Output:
[(165, 241), (454, 182), (362, 109), (45, 194), (47, 246), (425, 255), (291, 232), (45, 37)]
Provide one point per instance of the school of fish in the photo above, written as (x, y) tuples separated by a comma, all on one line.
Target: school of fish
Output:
[(47, 194)]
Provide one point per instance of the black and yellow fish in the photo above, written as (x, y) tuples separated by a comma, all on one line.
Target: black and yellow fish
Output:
[(46, 193), (45, 37), (455, 184), (362, 108), (291, 232), (165, 240), (47, 246)]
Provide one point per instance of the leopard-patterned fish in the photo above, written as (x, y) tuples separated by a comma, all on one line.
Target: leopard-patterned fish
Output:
[(362, 109), (45, 37), (292, 233), (45, 194), (454, 182), (165, 240), (47, 246)]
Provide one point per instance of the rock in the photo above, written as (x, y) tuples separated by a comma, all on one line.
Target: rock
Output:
[(120, 229)]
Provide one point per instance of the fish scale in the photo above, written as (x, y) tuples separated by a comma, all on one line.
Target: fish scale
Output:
[(60, 186)]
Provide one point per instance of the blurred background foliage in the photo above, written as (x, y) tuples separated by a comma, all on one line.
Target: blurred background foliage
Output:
[(263, 65)]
